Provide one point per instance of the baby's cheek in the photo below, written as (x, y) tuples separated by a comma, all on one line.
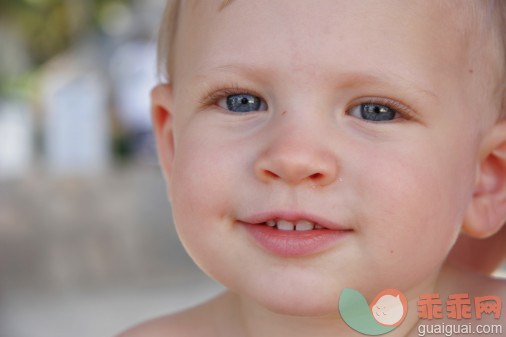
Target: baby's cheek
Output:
[(201, 185), (407, 219)]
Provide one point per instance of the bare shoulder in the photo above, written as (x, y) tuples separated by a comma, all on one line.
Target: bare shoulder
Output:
[(199, 321), (455, 279), (479, 289)]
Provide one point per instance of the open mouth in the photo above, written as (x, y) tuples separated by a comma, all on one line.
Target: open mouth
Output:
[(295, 236), (300, 225)]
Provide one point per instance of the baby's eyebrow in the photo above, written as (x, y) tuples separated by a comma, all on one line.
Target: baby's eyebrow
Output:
[(349, 79), (390, 77)]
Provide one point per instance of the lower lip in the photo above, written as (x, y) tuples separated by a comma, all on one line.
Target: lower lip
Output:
[(294, 243)]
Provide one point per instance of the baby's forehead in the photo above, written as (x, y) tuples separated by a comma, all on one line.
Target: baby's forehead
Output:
[(469, 20), (467, 30)]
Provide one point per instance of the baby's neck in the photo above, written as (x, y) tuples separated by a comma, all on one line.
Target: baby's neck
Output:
[(253, 320), (234, 315)]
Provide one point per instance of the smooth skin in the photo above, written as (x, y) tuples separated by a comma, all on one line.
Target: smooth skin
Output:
[(406, 187)]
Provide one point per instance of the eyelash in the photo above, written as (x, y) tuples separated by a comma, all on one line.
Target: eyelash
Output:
[(212, 98), (404, 112), (214, 95)]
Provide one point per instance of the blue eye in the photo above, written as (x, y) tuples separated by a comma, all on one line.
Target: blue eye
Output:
[(242, 103), (373, 112)]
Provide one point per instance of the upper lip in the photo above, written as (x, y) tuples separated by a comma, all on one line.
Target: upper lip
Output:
[(293, 216)]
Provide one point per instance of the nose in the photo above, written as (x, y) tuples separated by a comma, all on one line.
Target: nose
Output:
[(295, 159)]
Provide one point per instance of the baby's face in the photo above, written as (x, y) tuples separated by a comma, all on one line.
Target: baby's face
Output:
[(363, 118)]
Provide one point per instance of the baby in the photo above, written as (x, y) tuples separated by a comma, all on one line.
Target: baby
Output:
[(314, 146)]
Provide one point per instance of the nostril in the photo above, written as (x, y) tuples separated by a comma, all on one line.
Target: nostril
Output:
[(316, 176), (295, 166), (270, 174)]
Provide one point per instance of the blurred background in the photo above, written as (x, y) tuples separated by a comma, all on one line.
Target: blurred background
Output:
[(87, 247)]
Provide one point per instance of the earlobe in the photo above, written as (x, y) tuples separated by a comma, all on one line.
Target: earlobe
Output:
[(487, 211), (162, 118)]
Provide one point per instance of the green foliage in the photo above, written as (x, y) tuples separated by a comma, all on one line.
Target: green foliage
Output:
[(50, 26)]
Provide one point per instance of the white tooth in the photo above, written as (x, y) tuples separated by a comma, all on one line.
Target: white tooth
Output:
[(318, 227), (303, 225), (271, 223), (285, 225)]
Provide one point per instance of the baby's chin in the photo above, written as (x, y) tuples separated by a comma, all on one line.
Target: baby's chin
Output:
[(297, 301), (314, 311)]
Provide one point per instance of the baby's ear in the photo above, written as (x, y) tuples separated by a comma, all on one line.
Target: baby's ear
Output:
[(487, 211), (161, 113)]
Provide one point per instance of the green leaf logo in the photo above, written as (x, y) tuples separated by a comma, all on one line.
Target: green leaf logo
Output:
[(386, 312)]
